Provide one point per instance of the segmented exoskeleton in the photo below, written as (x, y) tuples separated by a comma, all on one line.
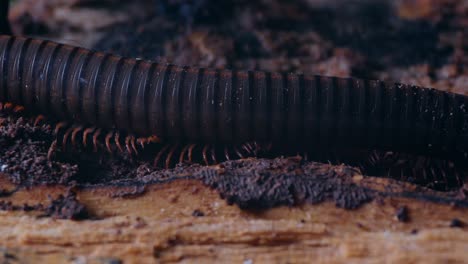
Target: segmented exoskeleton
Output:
[(141, 101)]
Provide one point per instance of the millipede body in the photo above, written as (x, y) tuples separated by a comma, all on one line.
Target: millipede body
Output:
[(216, 106)]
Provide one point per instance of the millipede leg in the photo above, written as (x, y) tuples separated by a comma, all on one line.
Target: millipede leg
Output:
[(249, 150), (213, 155), (444, 175), (154, 139), (424, 173), (205, 157), (65, 138), (169, 156), (74, 133), (239, 154), (86, 133), (18, 109), (159, 155), (190, 152), (59, 126), (51, 150), (107, 141), (38, 119), (127, 145), (226, 153), (7, 106), (117, 141), (253, 148), (373, 158), (246, 148), (142, 142), (257, 147), (432, 172), (132, 143), (250, 147), (95, 139), (182, 153)]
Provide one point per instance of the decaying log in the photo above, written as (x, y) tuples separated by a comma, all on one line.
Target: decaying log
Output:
[(184, 220)]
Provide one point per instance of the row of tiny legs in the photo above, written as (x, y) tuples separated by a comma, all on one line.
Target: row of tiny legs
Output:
[(166, 153), (73, 135)]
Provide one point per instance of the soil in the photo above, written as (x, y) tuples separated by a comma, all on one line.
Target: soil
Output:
[(66, 207), (423, 43)]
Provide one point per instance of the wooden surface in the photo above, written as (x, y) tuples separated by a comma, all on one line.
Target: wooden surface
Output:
[(162, 226)]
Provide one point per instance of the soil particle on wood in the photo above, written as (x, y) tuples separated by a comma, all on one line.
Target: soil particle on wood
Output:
[(63, 207), (402, 214), (456, 223), (198, 213), (66, 207), (269, 183), (131, 192), (9, 206)]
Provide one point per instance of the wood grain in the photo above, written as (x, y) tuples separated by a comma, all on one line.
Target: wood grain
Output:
[(161, 225)]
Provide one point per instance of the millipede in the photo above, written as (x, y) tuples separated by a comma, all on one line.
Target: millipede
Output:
[(122, 103)]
